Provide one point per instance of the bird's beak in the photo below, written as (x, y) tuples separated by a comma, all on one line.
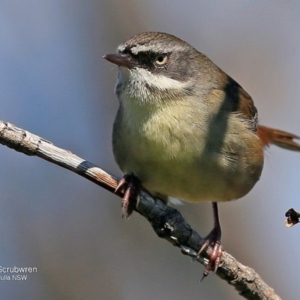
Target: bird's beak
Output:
[(121, 60)]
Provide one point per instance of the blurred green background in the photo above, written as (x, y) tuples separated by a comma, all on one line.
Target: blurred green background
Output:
[(54, 83)]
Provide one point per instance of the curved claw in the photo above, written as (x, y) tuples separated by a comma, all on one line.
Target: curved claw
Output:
[(130, 184), (214, 258), (121, 183), (213, 239)]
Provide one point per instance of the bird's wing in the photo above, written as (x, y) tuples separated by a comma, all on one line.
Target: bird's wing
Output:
[(239, 101)]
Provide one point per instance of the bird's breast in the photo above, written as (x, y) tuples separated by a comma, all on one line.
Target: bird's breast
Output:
[(173, 152)]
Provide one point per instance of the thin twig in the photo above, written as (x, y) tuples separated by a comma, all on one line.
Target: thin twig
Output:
[(167, 222)]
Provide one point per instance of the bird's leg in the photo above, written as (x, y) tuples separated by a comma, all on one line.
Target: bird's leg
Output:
[(213, 239), (131, 187)]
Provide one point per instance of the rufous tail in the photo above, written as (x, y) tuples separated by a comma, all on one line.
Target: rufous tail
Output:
[(278, 137)]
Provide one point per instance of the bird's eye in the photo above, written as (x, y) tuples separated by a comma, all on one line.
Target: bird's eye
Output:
[(161, 59)]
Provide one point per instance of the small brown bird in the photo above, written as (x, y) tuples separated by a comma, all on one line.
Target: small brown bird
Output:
[(186, 129)]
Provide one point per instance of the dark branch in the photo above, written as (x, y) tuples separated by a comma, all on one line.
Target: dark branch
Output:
[(167, 222)]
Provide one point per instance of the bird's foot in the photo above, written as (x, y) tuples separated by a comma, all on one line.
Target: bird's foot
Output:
[(213, 239), (130, 186)]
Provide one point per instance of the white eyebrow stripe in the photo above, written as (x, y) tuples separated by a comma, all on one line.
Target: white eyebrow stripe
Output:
[(146, 48), (149, 48), (121, 48), (141, 48)]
